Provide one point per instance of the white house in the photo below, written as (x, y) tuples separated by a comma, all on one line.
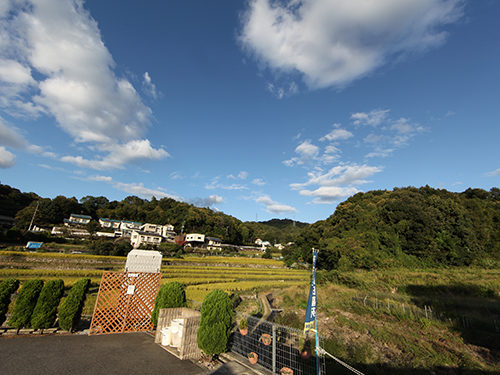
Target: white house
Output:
[(139, 238), (75, 219), (127, 227), (110, 223), (213, 243)]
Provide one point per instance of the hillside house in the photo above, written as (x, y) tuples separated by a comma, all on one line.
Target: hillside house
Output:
[(110, 223), (77, 220), (139, 238), (212, 243)]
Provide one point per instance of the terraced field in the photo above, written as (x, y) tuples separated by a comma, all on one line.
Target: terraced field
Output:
[(199, 275)]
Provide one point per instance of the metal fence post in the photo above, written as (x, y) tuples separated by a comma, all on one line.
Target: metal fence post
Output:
[(274, 348)]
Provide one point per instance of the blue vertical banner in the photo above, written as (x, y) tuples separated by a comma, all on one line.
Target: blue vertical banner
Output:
[(311, 303)]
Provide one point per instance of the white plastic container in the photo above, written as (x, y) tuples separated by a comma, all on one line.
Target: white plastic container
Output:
[(166, 336), (175, 337)]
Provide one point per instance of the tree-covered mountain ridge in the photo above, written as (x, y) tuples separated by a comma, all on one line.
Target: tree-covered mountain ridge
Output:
[(406, 227), (185, 217)]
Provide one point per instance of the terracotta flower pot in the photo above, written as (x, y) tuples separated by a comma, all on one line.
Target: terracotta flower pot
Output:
[(266, 339), (286, 371), (306, 353), (252, 357), (244, 331)]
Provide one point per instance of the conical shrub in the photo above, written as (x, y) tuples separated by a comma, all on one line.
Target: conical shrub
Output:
[(171, 294), (45, 313), (215, 322), (71, 309), (25, 303), (7, 287)]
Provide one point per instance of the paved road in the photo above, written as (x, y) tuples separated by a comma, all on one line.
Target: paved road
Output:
[(121, 354)]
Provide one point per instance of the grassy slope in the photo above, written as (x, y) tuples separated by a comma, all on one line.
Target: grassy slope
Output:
[(363, 316)]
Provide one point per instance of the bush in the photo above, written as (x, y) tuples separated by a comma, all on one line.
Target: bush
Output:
[(7, 287), (171, 294), (215, 322), (25, 303), (71, 309), (45, 312)]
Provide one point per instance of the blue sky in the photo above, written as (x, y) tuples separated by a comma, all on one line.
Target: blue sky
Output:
[(260, 109)]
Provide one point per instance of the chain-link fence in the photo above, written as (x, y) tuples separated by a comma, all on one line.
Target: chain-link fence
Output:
[(276, 347)]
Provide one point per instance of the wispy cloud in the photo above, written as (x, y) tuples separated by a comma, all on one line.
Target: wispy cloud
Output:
[(210, 201), (135, 188), (275, 207), (493, 173), (258, 182), (75, 82), (149, 87), (332, 42), (216, 184), (372, 118)]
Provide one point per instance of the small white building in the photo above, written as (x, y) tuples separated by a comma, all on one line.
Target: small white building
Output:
[(195, 237), (213, 243), (75, 219), (139, 238), (110, 223), (127, 227)]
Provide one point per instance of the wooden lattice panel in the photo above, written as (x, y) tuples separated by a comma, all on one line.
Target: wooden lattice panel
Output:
[(125, 302)]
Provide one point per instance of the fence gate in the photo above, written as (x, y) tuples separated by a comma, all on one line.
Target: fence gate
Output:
[(125, 302)]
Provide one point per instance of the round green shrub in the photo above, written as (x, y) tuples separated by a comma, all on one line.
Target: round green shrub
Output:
[(25, 303), (215, 322), (171, 294), (7, 287), (45, 313), (71, 309)]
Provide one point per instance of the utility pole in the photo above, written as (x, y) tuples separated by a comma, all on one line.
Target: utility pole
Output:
[(33, 218)]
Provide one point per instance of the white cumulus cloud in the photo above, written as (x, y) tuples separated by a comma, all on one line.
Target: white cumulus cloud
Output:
[(333, 42), (76, 83)]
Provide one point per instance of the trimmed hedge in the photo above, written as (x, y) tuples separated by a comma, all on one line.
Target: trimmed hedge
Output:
[(7, 287), (171, 294), (25, 303), (71, 309), (215, 322), (45, 313)]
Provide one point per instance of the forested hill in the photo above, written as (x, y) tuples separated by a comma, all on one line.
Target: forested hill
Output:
[(183, 216), (406, 227), (276, 230)]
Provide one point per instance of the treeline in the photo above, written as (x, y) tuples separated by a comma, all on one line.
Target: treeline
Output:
[(184, 217), (406, 227)]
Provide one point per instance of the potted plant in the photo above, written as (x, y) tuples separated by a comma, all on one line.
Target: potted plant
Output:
[(305, 347), (244, 326), (266, 339), (286, 371), (252, 357)]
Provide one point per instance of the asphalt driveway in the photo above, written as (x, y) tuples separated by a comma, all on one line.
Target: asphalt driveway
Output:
[(121, 354)]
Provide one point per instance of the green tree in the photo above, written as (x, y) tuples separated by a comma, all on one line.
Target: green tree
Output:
[(215, 322), (7, 287), (71, 309), (92, 227), (45, 312), (25, 303), (171, 295)]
